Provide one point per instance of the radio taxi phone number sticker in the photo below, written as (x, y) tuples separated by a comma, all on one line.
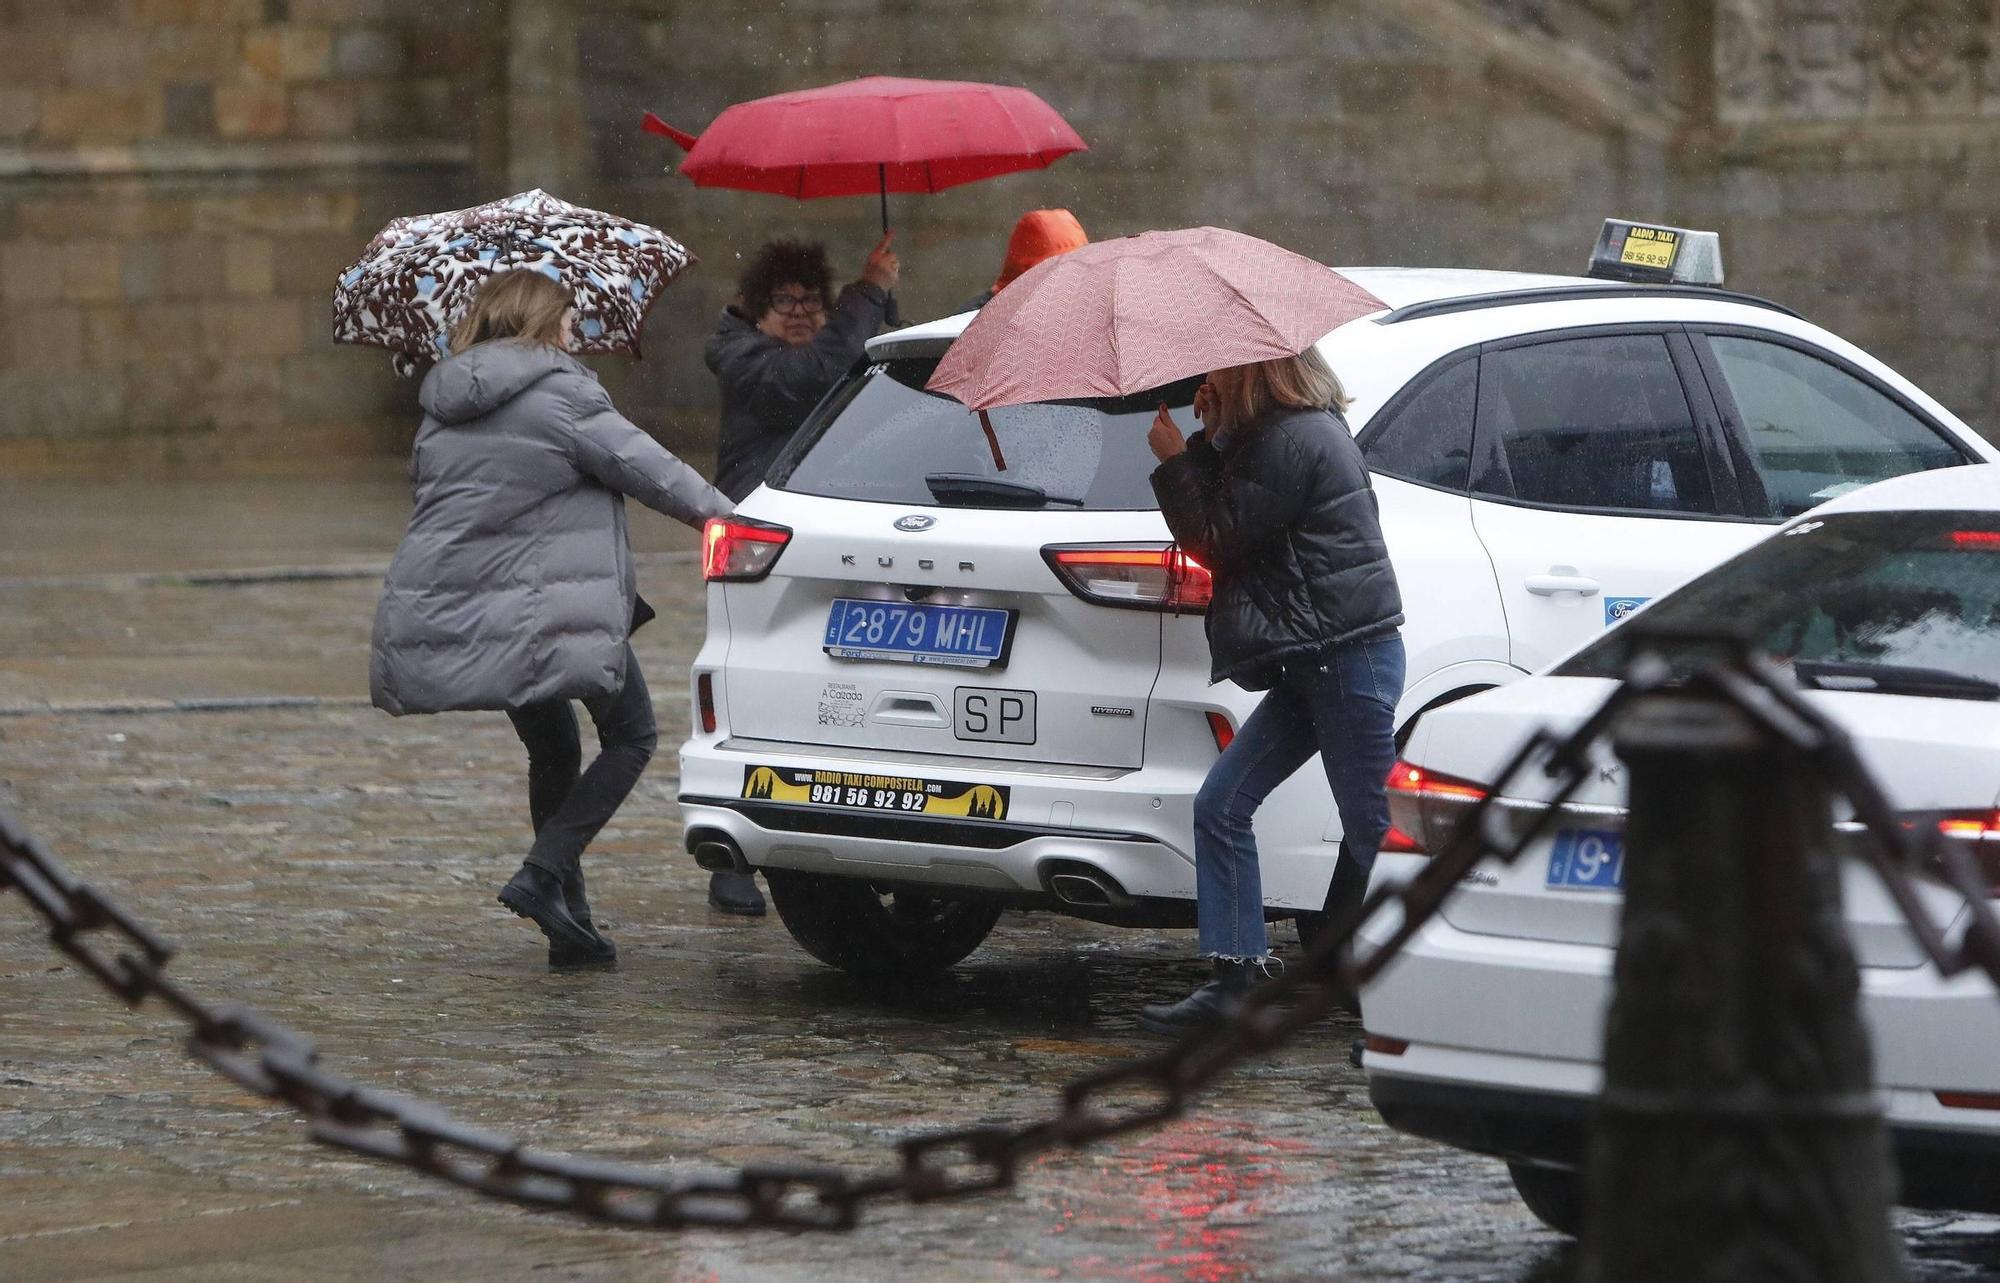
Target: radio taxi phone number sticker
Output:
[(860, 791), (1650, 247)]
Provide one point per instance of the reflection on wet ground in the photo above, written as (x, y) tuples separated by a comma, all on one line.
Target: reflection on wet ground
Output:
[(336, 868)]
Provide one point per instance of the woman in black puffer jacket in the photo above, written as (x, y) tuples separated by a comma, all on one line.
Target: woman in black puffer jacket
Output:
[(1273, 497)]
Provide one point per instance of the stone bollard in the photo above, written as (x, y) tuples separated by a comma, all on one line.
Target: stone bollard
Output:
[(1738, 1138)]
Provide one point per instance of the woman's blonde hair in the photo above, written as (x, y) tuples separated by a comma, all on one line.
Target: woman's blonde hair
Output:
[(522, 304), (1302, 382)]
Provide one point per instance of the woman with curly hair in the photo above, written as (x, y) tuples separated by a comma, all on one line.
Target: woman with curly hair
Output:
[(782, 344), (776, 351)]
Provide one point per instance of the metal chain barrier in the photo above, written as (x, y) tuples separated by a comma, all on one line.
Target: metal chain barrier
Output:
[(281, 1065)]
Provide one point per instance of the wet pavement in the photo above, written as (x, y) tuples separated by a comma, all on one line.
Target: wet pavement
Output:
[(201, 749)]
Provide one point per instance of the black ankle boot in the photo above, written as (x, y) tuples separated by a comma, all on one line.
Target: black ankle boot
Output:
[(603, 951), (537, 895), (576, 901), (735, 893), (1206, 1007)]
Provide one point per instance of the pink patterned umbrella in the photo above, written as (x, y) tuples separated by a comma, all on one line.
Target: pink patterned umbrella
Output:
[(1121, 316), (408, 288)]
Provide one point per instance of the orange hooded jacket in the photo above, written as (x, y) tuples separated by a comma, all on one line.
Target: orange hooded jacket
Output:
[(1040, 234)]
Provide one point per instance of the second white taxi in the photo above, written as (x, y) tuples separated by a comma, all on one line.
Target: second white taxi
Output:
[(1884, 606)]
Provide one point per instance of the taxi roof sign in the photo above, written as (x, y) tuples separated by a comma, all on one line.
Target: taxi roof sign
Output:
[(1628, 251)]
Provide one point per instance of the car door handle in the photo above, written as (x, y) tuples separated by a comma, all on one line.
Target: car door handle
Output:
[(899, 708), (1561, 579)]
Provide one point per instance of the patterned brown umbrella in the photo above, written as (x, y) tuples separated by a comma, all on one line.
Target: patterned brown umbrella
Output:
[(408, 289)]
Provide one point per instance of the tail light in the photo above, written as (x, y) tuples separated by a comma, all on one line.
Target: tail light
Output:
[(738, 549), (1986, 539), (1218, 726), (1980, 831), (1968, 1099), (704, 699), (1137, 578), (1426, 808)]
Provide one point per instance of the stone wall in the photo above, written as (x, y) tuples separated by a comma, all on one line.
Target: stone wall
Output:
[(1854, 171), (181, 180)]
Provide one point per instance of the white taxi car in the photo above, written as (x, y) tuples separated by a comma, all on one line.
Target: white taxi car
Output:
[(1486, 1031), (934, 686)]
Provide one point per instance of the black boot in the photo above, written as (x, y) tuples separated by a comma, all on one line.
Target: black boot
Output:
[(537, 895), (735, 893), (1343, 901), (565, 957), (1206, 1007)]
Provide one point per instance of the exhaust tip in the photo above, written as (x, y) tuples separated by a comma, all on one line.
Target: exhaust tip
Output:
[(1076, 888), (1088, 888), (717, 853)]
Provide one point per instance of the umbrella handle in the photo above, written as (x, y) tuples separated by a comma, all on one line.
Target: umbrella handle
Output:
[(654, 125), (892, 316), (993, 442)]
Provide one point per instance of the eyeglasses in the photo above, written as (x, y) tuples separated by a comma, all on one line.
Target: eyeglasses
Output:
[(791, 304)]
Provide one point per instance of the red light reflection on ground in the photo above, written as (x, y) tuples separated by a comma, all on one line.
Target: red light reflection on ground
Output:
[(1192, 1195)]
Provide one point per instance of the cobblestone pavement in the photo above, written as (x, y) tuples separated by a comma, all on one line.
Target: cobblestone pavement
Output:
[(336, 868)]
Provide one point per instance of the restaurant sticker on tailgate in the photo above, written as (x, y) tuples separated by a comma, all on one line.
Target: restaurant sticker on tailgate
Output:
[(861, 791)]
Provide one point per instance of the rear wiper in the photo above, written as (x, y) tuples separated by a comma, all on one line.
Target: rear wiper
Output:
[(970, 490), (1891, 679)]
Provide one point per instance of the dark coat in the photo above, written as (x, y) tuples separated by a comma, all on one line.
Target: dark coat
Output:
[(1285, 519), (769, 386), (514, 583)]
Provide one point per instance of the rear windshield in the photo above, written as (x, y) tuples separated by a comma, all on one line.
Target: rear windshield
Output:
[(1894, 594), (879, 435)]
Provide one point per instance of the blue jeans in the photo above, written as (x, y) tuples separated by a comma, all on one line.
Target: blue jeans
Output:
[(1340, 704)]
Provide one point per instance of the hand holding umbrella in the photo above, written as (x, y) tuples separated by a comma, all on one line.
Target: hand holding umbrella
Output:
[(1164, 437), (883, 268)]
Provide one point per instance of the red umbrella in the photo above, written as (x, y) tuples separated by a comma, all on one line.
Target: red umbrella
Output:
[(1121, 316), (877, 134)]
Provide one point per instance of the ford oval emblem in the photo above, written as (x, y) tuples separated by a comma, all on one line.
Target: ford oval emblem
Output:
[(915, 521)]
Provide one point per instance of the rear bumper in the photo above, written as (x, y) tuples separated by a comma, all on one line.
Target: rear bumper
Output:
[(1132, 824), (1007, 860), (1940, 1169), (1135, 825)]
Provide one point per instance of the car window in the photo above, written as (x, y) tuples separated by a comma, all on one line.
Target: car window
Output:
[(1815, 431), (1429, 437), (880, 435), (1858, 592), (1598, 422)]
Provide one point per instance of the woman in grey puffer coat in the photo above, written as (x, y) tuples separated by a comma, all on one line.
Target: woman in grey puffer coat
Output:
[(513, 587)]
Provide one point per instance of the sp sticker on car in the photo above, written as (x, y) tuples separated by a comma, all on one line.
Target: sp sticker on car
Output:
[(1616, 608), (861, 791)]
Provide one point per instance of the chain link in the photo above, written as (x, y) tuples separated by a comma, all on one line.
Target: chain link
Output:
[(279, 1064)]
